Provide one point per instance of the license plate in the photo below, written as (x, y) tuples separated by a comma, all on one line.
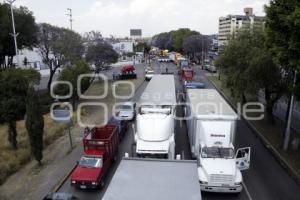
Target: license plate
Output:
[(83, 186), (225, 185)]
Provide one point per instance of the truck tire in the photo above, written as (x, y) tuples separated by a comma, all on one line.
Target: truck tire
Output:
[(102, 184)]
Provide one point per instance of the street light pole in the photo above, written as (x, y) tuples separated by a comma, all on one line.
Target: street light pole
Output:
[(289, 121), (71, 17), (14, 34)]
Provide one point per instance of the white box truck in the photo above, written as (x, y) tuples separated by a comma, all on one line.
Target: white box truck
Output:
[(154, 179), (211, 126), (155, 119)]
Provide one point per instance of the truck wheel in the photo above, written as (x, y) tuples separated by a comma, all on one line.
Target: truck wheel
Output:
[(102, 184)]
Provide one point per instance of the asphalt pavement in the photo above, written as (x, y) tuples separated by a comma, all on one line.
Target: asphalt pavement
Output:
[(265, 180)]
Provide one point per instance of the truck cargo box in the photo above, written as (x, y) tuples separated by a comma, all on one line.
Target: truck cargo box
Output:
[(154, 179)]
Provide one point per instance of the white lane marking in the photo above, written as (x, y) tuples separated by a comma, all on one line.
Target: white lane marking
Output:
[(247, 191)]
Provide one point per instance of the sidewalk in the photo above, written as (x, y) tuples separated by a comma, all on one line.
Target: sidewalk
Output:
[(34, 182), (270, 134)]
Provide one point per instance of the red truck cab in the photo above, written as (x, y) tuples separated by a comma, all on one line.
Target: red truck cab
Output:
[(100, 149), (187, 74)]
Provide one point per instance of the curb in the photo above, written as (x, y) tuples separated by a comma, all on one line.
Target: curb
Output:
[(65, 178), (264, 140)]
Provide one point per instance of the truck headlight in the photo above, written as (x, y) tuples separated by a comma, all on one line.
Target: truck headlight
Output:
[(238, 183), (94, 183), (203, 182), (73, 182)]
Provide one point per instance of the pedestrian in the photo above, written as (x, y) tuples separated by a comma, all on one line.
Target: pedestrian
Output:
[(86, 131), (167, 70)]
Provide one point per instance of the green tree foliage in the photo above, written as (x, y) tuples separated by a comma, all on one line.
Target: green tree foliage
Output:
[(13, 91), (283, 30), (173, 40), (247, 65), (58, 47), (25, 26), (34, 124), (142, 47), (71, 74), (99, 52), (179, 36), (195, 45)]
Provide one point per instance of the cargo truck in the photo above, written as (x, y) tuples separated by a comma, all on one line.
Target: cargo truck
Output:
[(100, 151), (211, 126), (155, 119), (187, 75), (154, 179)]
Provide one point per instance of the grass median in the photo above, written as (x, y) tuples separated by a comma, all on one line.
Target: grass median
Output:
[(272, 132)]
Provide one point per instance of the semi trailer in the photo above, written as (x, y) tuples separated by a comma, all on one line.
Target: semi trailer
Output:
[(154, 135)]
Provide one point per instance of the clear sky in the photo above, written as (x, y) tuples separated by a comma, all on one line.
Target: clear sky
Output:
[(116, 17)]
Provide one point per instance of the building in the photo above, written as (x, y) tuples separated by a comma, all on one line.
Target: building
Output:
[(122, 46), (230, 24)]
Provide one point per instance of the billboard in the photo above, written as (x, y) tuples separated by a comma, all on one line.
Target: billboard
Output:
[(135, 32)]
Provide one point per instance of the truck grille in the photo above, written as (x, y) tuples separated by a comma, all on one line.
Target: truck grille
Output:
[(221, 179)]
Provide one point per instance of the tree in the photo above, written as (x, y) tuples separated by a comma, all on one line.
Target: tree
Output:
[(34, 124), (25, 26), (172, 40), (179, 36), (100, 53), (58, 47), (283, 30), (247, 65), (13, 91), (195, 45), (72, 74)]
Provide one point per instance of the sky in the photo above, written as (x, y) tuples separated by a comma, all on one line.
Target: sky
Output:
[(117, 17)]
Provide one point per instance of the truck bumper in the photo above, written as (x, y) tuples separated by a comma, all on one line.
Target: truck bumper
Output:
[(221, 189), (85, 185)]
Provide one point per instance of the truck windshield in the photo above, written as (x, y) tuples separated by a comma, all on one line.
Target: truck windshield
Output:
[(216, 152), (90, 162), (147, 109), (126, 107)]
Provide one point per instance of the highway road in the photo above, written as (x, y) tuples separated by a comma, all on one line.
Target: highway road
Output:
[(266, 180)]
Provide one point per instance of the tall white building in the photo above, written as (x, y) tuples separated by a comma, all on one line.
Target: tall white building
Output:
[(230, 24)]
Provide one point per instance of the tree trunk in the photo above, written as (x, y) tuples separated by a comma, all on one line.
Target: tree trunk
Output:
[(269, 107), (12, 134), (52, 72), (244, 99), (288, 108)]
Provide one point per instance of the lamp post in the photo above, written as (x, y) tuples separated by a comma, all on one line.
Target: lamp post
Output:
[(289, 121), (14, 34)]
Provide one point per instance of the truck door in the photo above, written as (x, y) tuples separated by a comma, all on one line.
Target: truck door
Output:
[(242, 158)]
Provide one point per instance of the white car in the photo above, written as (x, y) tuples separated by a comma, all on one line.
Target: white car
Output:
[(149, 75), (126, 111)]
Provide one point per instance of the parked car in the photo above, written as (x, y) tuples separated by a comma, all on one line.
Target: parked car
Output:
[(126, 111), (60, 196), (212, 69), (149, 75)]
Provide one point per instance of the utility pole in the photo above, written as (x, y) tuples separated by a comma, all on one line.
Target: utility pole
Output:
[(202, 51), (70, 17), (14, 34), (289, 121)]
